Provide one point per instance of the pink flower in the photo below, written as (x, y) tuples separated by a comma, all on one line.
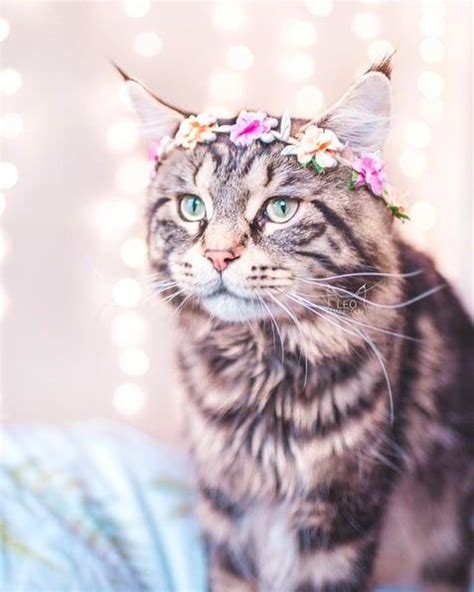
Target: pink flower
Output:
[(252, 126), (371, 172)]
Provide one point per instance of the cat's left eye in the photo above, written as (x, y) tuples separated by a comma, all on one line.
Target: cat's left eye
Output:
[(192, 208), (281, 209)]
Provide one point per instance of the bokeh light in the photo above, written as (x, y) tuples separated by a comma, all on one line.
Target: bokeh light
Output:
[(227, 16), (128, 399), (432, 50), (122, 135), (366, 25), (432, 110), (133, 362), (239, 57), (8, 175), (134, 252), (430, 84), (137, 8), (133, 175), (297, 66), (112, 217), (11, 125), (3, 246), (417, 134), (300, 33), (432, 24), (319, 7), (129, 329), (148, 44), (423, 215), (10, 81), (4, 29), (412, 162), (4, 303), (127, 292)]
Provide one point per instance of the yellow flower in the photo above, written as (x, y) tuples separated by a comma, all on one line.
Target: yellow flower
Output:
[(320, 144), (194, 129)]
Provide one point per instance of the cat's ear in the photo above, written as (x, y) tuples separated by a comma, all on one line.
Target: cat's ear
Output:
[(157, 118), (362, 115)]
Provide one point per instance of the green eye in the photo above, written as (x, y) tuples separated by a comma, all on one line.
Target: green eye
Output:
[(192, 208), (281, 209)]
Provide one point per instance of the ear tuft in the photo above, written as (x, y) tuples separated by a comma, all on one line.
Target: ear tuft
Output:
[(122, 73), (157, 118), (362, 116), (384, 66)]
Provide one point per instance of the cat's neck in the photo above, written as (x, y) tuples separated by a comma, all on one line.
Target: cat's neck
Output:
[(312, 341)]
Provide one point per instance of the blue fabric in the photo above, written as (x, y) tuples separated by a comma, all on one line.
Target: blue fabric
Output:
[(96, 507)]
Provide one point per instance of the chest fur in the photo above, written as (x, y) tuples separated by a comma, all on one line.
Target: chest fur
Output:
[(276, 427)]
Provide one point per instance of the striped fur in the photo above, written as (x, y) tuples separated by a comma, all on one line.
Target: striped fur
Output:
[(315, 475)]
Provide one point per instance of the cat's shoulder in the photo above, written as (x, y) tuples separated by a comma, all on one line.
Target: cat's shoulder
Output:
[(441, 300)]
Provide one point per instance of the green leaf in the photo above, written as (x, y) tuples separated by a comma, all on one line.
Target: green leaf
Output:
[(353, 181), (317, 167), (398, 212)]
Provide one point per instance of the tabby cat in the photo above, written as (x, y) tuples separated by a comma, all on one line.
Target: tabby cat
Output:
[(329, 401)]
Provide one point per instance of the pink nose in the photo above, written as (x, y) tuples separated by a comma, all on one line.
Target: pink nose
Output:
[(221, 258)]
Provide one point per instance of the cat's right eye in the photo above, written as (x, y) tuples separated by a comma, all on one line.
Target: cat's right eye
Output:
[(192, 208)]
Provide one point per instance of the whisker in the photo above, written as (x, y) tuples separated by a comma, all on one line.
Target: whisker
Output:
[(181, 306), (171, 297), (292, 316), (371, 273), (361, 334), (274, 322), (262, 304), (372, 327)]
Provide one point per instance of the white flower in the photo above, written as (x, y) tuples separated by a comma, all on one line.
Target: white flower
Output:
[(320, 144), (196, 128)]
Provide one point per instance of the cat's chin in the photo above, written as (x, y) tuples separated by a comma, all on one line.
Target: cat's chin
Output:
[(228, 307)]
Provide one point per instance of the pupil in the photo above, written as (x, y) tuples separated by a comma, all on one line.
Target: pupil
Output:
[(283, 207), (194, 205)]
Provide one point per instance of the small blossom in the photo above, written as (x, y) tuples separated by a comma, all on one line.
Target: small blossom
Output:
[(250, 126), (155, 154), (196, 128), (371, 172), (318, 146), (157, 149)]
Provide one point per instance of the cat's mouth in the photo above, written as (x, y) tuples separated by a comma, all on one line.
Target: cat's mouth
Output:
[(229, 306), (223, 291)]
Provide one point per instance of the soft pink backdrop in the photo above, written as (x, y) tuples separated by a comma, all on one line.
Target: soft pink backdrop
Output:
[(78, 197)]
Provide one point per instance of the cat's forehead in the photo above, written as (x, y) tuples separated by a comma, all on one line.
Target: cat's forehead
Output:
[(232, 174)]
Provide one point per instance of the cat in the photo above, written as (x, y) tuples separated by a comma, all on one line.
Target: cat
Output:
[(333, 443)]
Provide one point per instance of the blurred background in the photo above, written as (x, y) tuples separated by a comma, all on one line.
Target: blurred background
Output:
[(81, 334)]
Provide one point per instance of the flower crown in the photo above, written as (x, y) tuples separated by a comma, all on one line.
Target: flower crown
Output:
[(313, 147)]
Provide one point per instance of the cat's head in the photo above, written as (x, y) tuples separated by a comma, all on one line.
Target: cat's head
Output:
[(244, 232)]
